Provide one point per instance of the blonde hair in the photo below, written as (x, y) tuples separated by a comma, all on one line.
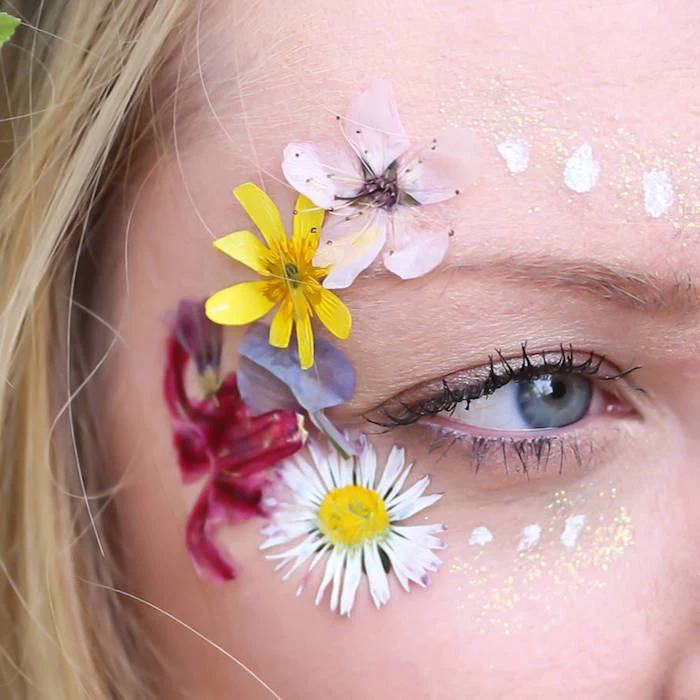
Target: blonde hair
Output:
[(77, 87)]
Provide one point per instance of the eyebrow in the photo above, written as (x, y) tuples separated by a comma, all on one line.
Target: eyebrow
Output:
[(669, 293)]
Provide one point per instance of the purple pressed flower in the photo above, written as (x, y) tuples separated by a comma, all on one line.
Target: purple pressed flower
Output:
[(202, 340), (270, 377)]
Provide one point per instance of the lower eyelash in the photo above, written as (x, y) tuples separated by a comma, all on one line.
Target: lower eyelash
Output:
[(519, 455)]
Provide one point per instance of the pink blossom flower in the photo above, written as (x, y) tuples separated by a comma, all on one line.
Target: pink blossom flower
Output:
[(377, 189), (218, 438)]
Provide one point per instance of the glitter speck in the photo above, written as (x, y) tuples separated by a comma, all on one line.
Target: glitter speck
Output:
[(581, 171), (658, 192)]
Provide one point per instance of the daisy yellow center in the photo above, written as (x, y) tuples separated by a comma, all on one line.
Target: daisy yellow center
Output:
[(352, 514)]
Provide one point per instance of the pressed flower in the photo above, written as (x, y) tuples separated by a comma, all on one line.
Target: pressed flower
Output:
[(202, 340), (218, 437), (270, 378), (290, 279), (340, 511), (376, 191)]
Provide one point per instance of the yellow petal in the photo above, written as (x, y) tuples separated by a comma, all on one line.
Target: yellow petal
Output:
[(247, 248), (305, 341), (281, 326), (243, 303), (332, 313), (262, 210), (308, 219)]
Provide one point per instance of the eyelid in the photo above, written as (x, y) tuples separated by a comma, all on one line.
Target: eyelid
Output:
[(499, 371)]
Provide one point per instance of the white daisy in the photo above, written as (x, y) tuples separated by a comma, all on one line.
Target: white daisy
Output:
[(339, 510)]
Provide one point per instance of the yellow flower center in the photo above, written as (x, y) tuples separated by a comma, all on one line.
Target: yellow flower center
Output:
[(352, 514)]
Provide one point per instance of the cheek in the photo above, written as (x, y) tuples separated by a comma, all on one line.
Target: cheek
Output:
[(492, 615)]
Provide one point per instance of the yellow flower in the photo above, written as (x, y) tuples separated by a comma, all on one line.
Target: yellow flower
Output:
[(290, 279)]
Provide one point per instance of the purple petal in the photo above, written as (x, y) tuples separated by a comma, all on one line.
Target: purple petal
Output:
[(416, 244), (261, 391), (373, 127), (198, 335), (329, 382), (441, 168)]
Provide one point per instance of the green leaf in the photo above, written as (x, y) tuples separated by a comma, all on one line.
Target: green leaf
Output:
[(8, 24)]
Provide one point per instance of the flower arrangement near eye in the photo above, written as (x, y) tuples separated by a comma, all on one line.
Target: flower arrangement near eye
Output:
[(376, 190), (217, 437), (290, 280), (341, 510)]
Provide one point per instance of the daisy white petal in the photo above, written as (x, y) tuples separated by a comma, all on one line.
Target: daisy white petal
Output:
[(353, 575), (405, 509), (354, 523), (332, 563), (378, 580), (393, 468)]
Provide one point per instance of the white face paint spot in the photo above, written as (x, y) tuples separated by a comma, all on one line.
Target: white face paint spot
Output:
[(480, 536), (658, 192), (572, 529), (582, 171), (530, 537), (516, 153)]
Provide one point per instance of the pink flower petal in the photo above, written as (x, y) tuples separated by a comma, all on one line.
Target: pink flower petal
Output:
[(373, 127), (416, 245), (321, 172), (350, 246), (441, 168)]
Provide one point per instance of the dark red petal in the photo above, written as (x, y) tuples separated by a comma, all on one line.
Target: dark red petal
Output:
[(270, 438), (208, 560), (224, 500)]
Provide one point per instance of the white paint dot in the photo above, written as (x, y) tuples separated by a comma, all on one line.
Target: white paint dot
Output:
[(658, 192), (582, 171), (480, 536), (572, 529), (516, 153), (530, 537)]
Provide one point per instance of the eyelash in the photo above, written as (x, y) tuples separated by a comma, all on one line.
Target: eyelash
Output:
[(501, 371)]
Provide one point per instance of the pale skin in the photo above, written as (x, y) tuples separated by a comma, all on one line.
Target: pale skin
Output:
[(281, 71)]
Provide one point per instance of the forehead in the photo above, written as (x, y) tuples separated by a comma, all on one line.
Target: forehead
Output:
[(556, 74)]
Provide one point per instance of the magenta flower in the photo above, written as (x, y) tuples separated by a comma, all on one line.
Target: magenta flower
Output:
[(376, 190), (217, 437)]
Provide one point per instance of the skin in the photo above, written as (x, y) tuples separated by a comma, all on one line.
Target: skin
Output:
[(280, 71)]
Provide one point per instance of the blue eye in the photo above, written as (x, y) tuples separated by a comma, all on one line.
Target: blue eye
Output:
[(538, 402), (553, 400)]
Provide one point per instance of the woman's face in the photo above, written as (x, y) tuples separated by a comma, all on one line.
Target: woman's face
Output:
[(590, 585)]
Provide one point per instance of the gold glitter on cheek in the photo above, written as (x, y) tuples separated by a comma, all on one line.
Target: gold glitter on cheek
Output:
[(548, 573)]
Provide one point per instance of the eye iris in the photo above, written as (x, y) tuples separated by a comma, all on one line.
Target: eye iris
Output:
[(553, 400)]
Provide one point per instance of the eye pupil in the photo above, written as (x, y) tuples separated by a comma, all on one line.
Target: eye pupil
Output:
[(553, 400)]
